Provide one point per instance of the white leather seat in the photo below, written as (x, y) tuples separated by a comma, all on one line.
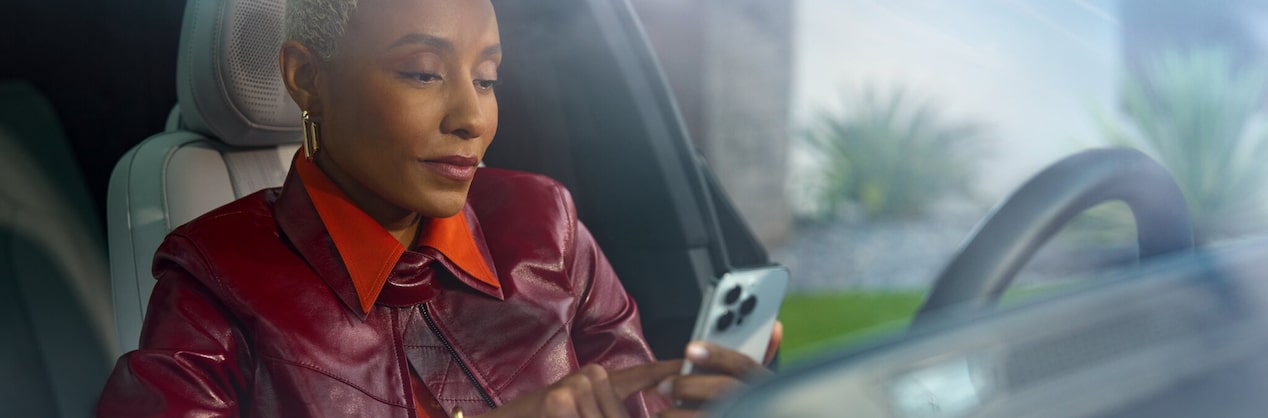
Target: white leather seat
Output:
[(232, 133)]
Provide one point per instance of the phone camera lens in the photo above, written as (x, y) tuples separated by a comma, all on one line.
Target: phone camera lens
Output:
[(725, 321), (733, 295), (748, 305)]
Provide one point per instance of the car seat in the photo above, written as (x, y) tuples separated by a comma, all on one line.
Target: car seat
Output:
[(54, 282), (232, 133)]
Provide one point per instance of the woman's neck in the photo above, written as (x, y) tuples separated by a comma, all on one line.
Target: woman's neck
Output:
[(401, 223)]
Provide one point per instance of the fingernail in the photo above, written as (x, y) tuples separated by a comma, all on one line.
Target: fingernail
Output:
[(697, 352), (665, 387)]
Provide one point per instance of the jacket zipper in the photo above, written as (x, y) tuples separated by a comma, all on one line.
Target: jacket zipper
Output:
[(431, 323)]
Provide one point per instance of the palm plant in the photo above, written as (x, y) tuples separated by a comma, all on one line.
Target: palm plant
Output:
[(891, 155), (1200, 114)]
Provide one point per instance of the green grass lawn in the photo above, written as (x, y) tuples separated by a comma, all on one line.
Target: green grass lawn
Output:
[(815, 322), (819, 321)]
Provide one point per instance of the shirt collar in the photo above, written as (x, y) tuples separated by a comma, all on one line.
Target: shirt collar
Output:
[(367, 251)]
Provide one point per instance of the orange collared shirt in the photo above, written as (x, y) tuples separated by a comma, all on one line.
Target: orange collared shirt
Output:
[(370, 252)]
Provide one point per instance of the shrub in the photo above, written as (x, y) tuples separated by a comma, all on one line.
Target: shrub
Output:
[(1199, 113), (891, 155)]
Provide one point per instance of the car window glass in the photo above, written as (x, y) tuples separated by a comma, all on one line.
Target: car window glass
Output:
[(907, 120)]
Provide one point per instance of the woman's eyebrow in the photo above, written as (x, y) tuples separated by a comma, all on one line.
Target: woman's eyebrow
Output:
[(492, 51), (425, 39), (440, 43)]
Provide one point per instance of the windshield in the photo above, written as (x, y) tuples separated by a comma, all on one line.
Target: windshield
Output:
[(863, 140)]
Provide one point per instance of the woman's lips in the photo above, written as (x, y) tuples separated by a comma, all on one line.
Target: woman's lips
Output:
[(453, 167)]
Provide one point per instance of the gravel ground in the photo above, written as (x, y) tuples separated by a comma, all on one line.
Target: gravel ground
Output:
[(909, 254)]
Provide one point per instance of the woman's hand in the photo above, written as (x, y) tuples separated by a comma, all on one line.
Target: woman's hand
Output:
[(776, 338), (591, 392), (728, 371)]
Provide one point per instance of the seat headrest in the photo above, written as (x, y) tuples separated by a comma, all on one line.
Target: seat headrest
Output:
[(228, 82)]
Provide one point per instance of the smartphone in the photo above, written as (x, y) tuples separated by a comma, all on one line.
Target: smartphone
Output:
[(739, 311)]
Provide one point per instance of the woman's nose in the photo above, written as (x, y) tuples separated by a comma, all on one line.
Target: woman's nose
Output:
[(465, 118)]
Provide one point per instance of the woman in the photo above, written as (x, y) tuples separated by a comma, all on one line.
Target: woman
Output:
[(389, 276)]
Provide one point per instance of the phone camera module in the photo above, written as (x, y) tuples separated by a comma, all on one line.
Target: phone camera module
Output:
[(748, 305), (733, 295), (725, 321)]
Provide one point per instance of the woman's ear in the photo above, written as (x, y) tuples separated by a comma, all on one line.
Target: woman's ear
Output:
[(299, 73)]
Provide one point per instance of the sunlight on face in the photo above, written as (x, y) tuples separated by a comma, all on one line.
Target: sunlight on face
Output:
[(407, 103)]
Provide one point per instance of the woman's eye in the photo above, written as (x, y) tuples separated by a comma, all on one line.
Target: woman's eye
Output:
[(423, 77), (486, 84)]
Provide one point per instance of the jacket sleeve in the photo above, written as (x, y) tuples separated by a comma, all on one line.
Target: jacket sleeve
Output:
[(606, 330), (191, 356)]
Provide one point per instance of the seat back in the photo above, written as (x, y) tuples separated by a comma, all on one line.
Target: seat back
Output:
[(54, 298), (231, 134)]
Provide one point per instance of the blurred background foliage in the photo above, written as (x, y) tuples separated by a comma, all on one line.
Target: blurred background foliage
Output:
[(1200, 113), (891, 155)]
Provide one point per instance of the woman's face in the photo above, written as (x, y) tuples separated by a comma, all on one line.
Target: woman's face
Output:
[(406, 106)]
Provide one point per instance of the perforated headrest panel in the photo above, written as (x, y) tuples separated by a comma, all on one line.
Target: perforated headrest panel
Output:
[(228, 81)]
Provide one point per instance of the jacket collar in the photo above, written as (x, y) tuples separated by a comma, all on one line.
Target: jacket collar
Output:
[(354, 255)]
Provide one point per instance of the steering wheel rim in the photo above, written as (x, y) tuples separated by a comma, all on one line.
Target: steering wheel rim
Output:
[(1007, 238)]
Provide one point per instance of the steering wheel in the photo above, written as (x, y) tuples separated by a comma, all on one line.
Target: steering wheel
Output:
[(1010, 235)]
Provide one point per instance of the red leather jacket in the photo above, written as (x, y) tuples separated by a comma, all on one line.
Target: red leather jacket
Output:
[(254, 315)]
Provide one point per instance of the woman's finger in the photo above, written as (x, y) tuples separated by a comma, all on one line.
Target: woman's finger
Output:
[(582, 389), (724, 360), (559, 403), (776, 338), (592, 391), (609, 404), (631, 380), (703, 388)]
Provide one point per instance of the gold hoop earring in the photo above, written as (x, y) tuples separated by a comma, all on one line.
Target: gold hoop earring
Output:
[(312, 135)]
